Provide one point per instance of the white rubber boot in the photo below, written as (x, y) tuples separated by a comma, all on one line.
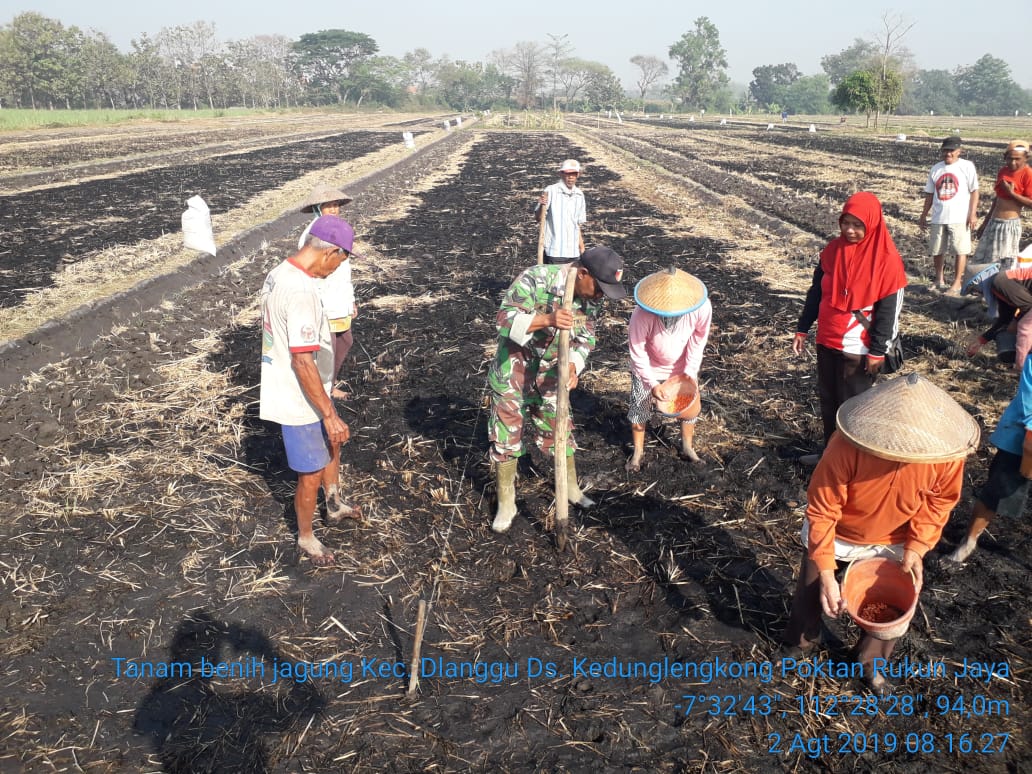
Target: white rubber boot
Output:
[(505, 483), (573, 490)]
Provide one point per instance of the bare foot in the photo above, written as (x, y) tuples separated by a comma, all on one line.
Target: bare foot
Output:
[(316, 551), (964, 550), (877, 684), (336, 510), (634, 463), (688, 453)]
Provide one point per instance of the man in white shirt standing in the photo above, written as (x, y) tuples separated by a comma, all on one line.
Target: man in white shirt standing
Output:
[(563, 207), (297, 374), (951, 194)]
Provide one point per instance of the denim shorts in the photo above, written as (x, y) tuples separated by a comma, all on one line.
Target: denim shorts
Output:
[(308, 448)]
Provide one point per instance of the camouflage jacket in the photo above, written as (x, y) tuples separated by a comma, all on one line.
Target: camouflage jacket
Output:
[(539, 290)]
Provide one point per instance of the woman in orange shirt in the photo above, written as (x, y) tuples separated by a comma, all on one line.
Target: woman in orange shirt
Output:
[(886, 485)]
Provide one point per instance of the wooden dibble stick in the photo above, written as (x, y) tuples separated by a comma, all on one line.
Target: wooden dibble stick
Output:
[(562, 420), (541, 235), (417, 646)]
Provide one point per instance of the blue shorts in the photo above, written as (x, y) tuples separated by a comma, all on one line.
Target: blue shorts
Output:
[(308, 448)]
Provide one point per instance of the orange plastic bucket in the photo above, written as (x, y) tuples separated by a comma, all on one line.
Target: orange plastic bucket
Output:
[(686, 403), (879, 596)]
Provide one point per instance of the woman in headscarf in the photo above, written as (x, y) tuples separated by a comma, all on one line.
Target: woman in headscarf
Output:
[(336, 291), (666, 336), (855, 298)]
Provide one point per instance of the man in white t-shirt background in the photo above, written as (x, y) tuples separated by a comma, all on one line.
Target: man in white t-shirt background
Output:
[(297, 375), (951, 195)]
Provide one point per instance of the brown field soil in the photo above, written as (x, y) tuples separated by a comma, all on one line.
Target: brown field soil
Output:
[(146, 511)]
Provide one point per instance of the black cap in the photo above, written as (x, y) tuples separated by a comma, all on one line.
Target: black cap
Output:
[(950, 143), (606, 267)]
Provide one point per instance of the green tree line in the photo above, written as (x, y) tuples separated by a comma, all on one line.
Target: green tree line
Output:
[(44, 64), (868, 77), (868, 80)]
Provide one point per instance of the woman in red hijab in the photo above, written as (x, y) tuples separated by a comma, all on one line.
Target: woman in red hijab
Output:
[(860, 274)]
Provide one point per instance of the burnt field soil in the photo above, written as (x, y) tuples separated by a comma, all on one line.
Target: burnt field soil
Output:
[(146, 514), (125, 209), (51, 155), (823, 168)]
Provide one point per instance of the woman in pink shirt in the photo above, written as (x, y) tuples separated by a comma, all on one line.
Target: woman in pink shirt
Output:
[(667, 335)]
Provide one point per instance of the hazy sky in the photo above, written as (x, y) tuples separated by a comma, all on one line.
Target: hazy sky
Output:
[(754, 32)]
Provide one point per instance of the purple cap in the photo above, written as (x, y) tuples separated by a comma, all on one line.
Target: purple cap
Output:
[(606, 267), (336, 231)]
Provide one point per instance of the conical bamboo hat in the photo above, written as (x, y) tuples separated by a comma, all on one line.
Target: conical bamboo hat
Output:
[(908, 419), (322, 194), (670, 293)]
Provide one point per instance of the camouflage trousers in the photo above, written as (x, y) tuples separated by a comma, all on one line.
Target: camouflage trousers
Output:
[(525, 392)]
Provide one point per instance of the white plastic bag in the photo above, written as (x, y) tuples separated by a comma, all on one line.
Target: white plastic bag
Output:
[(197, 233)]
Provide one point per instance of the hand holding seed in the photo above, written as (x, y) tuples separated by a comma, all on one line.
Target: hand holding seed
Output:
[(831, 596)]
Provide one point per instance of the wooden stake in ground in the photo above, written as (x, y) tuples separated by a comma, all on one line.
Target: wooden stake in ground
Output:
[(541, 235), (417, 646), (562, 419)]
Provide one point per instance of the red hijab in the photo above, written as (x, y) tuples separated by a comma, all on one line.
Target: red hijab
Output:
[(869, 270)]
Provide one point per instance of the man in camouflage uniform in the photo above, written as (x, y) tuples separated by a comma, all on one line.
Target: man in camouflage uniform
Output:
[(524, 378)]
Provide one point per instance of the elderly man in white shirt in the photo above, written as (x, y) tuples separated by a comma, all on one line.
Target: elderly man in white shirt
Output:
[(563, 207)]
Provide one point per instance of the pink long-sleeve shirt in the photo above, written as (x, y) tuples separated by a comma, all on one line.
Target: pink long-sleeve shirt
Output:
[(658, 353)]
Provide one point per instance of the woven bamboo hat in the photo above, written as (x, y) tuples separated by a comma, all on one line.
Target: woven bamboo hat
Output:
[(908, 419), (670, 293), (322, 194)]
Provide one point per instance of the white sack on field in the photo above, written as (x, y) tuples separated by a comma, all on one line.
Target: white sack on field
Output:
[(197, 233)]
